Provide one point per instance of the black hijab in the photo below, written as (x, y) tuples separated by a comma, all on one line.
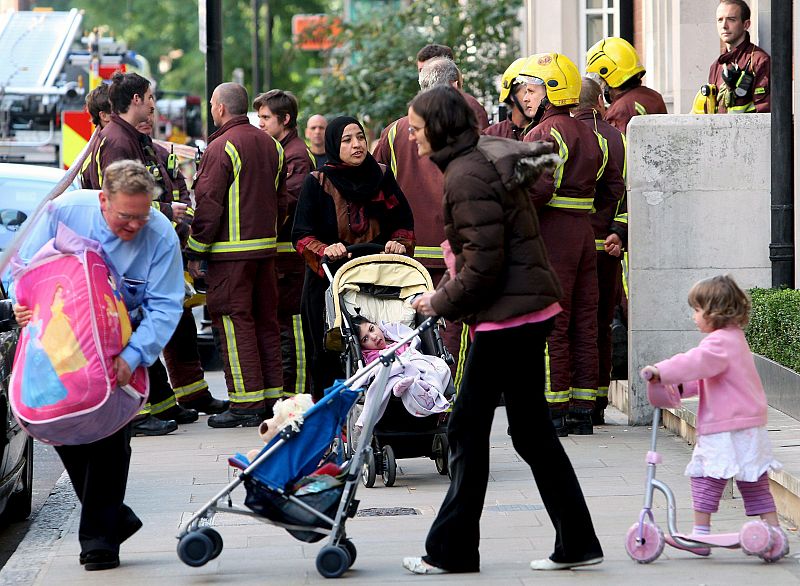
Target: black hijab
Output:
[(359, 184)]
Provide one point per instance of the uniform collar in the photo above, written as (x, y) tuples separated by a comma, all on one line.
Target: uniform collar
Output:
[(235, 121)]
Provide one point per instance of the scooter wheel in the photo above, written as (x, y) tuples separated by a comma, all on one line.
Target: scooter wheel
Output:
[(755, 538), (650, 546), (780, 548)]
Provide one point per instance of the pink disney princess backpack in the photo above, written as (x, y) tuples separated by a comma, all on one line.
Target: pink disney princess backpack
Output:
[(63, 387)]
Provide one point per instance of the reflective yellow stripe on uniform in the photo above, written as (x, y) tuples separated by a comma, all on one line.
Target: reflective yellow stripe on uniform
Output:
[(602, 392), (281, 156), (601, 140), (240, 394), (190, 389), (97, 162), (549, 394), (312, 157), (624, 158), (583, 394), (299, 358), (392, 135), (285, 247), (563, 153), (428, 252), (625, 274), (760, 90), (745, 109), (196, 246), (598, 245), (234, 229), (572, 203), (621, 218), (243, 245), (641, 110), (167, 403), (190, 211)]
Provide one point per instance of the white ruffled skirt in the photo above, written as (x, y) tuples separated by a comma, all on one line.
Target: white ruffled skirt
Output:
[(744, 454)]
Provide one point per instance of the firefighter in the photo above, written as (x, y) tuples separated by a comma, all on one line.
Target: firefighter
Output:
[(432, 51), (315, 135), (277, 116), (610, 231), (741, 73), (584, 180), (423, 182), (131, 103), (511, 94), (617, 63), (241, 197)]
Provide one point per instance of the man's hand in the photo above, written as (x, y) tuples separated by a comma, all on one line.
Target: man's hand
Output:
[(394, 247), (195, 269), (336, 251), (178, 211), (422, 304), (613, 245), (22, 314), (122, 371)]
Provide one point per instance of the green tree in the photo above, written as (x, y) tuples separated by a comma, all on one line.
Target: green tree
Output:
[(157, 29), (373, 71)]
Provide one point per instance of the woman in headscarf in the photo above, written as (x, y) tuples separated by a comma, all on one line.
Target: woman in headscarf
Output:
[(500, 282), (352, 199)]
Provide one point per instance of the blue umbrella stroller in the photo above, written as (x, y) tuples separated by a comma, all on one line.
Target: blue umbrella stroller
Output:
[(282, 488)]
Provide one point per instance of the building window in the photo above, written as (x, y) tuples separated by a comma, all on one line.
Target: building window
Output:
[(599, 19)]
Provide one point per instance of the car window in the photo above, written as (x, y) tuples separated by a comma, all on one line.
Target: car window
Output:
[(18, 199)]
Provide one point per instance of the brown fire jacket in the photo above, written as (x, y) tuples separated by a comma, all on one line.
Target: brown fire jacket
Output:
[(755, 60), (240, 194), (422, 183), (587, 179), (480, 111), (612, 218), (502, 270), (298, 163), (505, 129), (634, 102)]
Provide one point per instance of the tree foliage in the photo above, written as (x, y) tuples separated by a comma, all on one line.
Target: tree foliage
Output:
[(155, 29), (373, 71)]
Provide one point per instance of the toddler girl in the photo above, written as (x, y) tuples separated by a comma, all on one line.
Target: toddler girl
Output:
[(732, 438)]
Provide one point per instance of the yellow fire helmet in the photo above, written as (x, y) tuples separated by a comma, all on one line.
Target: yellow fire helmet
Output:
[(509, 76), (557, 73), (615, 60)]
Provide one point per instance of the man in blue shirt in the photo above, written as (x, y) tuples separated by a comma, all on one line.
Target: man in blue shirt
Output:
[(142, 247)]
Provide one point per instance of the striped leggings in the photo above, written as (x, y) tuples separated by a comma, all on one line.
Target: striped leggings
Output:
[(706, 493)]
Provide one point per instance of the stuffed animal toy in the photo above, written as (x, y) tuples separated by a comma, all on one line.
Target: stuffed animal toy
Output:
[(285, 412)]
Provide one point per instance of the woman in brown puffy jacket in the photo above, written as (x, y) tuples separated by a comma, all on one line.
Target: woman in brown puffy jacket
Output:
[(499, 282)]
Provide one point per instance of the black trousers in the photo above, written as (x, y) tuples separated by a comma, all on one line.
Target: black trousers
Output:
[(99, 474), (324, 366), (497, 362)]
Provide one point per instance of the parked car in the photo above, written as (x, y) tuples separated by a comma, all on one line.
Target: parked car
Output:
[(22, 187)]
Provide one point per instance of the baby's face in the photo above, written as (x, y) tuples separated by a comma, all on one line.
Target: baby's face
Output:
[(371, 337)]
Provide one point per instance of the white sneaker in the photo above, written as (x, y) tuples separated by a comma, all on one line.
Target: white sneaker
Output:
[(419, 566), (548, 564)]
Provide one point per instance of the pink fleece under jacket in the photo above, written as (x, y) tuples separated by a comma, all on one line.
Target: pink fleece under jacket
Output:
[(722, 371)]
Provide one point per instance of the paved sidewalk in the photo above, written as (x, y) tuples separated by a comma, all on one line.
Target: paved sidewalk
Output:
[(172, 476)]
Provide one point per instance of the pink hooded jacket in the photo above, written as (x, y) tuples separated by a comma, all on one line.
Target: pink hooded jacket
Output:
[(722, 371)]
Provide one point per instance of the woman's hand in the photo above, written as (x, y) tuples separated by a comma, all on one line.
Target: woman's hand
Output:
[(336, 251), (422, 304), (651, 374), (394, 247), (22, 314)]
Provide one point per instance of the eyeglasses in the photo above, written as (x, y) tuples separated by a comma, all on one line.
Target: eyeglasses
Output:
[(412, 130), (141, 218)]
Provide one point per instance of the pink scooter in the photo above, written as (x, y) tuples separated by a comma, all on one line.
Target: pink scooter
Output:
[(645, 540)]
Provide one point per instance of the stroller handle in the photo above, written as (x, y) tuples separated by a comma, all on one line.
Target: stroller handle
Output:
[(354, 250)]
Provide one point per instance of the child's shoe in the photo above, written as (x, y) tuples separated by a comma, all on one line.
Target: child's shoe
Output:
[(699, 550)]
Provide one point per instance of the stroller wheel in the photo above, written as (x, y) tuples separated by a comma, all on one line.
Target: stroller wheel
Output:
[(780, 549), (332, 561), (441, 453), (389, 472), (368, 469), (350, 548), (756, 538), (650, 546), (216, 540), (195, 549)]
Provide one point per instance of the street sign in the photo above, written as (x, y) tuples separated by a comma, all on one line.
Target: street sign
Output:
[(316, 32)]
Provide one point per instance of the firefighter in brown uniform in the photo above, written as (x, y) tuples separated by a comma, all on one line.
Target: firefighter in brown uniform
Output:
[(583, 181), (277, 116), (511, 94), (423, 184), (240, 197), (617, 63), (741, 73), (431, 52), (610, 232), (131, 101)]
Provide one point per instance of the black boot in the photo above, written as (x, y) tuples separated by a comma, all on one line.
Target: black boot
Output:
[(179, 414), (149, 425), (560, 424), (580, 423), (207, 404), (232, 419), (598, 416)]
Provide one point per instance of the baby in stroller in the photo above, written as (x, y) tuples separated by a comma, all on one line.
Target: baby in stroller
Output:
[(420, 380)]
